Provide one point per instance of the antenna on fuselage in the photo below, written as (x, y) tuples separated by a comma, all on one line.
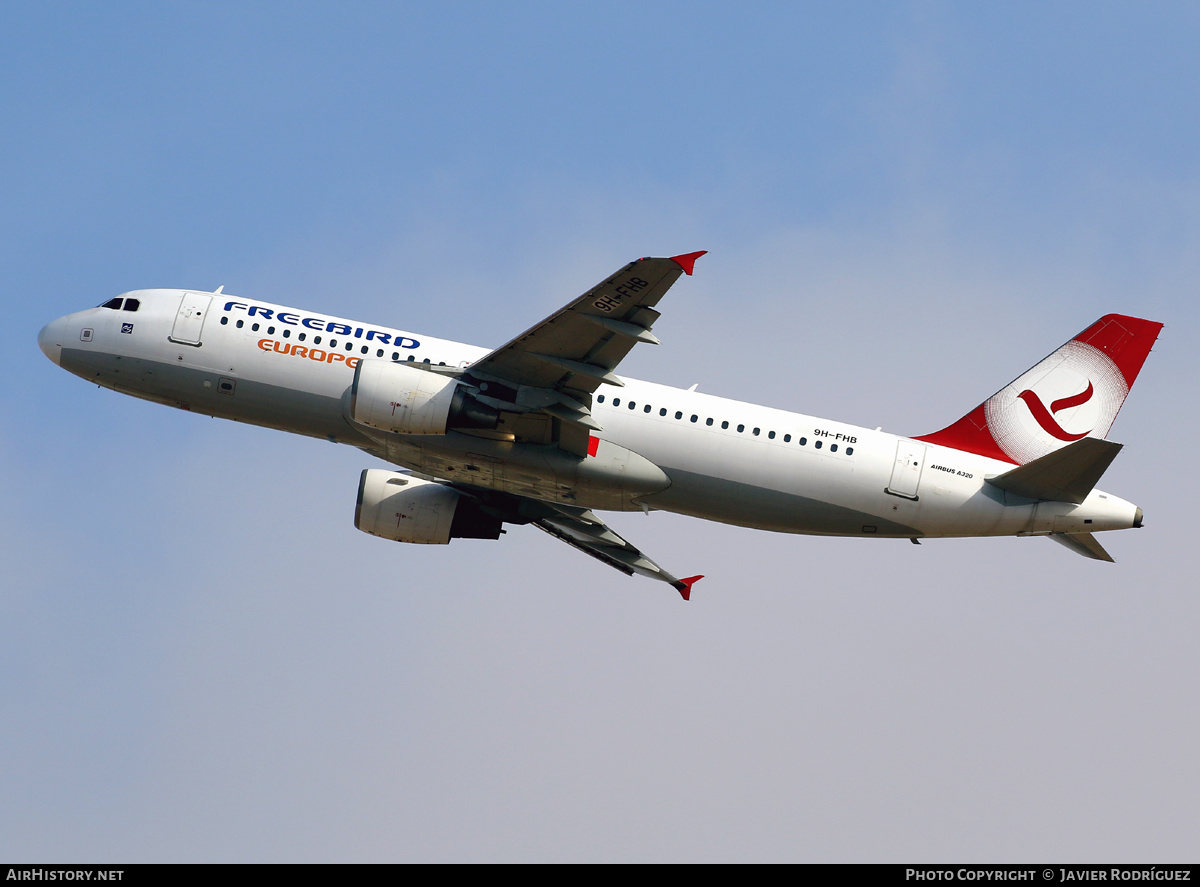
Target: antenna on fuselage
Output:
[(217, 291)]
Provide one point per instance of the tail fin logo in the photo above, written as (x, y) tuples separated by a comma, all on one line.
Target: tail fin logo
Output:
[(1045, 417), (1084, 382), (1073, 393)]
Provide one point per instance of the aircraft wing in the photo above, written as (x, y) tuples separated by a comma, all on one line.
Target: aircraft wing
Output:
[(591, 535), (578, 527), (576, 349), (554, 367)]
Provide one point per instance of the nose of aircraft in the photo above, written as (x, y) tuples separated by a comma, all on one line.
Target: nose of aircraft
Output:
[(50, 340)]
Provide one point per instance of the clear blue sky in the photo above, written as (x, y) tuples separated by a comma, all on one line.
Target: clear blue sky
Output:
[(906, 205)]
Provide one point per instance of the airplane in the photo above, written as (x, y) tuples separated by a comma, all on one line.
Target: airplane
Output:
[(543, 431)]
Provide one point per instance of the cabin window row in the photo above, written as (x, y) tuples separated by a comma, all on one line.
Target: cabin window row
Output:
[(287, 334), (709, 422)]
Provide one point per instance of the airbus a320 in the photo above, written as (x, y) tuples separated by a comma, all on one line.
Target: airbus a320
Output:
[(543, 431)]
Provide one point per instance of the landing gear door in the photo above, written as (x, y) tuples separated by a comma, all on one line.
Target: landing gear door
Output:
[(193, 309), (906, 472)]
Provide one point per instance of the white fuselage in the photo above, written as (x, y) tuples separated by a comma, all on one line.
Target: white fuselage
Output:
[(727, 461)]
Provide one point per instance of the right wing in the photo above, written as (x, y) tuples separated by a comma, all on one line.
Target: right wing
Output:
[(578, 527), (585, 531)]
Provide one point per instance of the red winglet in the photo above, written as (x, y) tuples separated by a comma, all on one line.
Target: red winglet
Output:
[(687, 262), (686, 591)]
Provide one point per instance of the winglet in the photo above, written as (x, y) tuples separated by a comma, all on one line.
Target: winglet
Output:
[(687, 262), (685, 585)]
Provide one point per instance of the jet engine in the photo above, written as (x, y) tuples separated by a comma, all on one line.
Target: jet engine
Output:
[(404, 508), (400, 398)]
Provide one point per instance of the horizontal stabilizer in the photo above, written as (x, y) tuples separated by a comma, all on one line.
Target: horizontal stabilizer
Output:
[(1083, 543), (1065, 475)]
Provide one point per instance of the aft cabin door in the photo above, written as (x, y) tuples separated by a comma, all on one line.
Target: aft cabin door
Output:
[(193, 309), (906, 473)]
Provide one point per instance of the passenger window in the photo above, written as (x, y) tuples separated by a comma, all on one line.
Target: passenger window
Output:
[(724, 424), (817, 444), (787, 438), (694, 417), (270, 331), (287, 334), (803, 441), (663, 411), (632, 404), (132, 304), (600, 398), (646, 409), (708, 421), (224, 321), (302, 336), (771, 435), (378, 353), (364, 348), (833, 448), (849, 451), (756, 432), (741, 428), (395, 355), (616, 401), (678, 414), (255, 328), (240, 324)]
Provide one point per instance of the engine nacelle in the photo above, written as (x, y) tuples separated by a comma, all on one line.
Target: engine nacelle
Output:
[(404, 508), (400, 398)]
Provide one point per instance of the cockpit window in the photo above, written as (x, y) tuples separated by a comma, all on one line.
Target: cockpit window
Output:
[(115, 304)]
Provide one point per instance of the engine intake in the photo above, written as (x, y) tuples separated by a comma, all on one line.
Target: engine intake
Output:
[(400, 398), (404, 508)]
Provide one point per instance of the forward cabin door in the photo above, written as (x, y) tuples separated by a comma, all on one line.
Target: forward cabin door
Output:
[(906, 472), (189, 322)]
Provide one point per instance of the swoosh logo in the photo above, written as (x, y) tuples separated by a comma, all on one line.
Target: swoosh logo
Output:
[(1045, 417)]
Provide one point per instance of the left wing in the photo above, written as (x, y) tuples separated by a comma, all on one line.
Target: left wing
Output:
[(553, 368)]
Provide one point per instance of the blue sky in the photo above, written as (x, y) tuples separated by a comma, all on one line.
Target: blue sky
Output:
[(906, 205)]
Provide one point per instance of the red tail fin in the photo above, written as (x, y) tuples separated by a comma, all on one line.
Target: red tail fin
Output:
[(1076, 392)]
